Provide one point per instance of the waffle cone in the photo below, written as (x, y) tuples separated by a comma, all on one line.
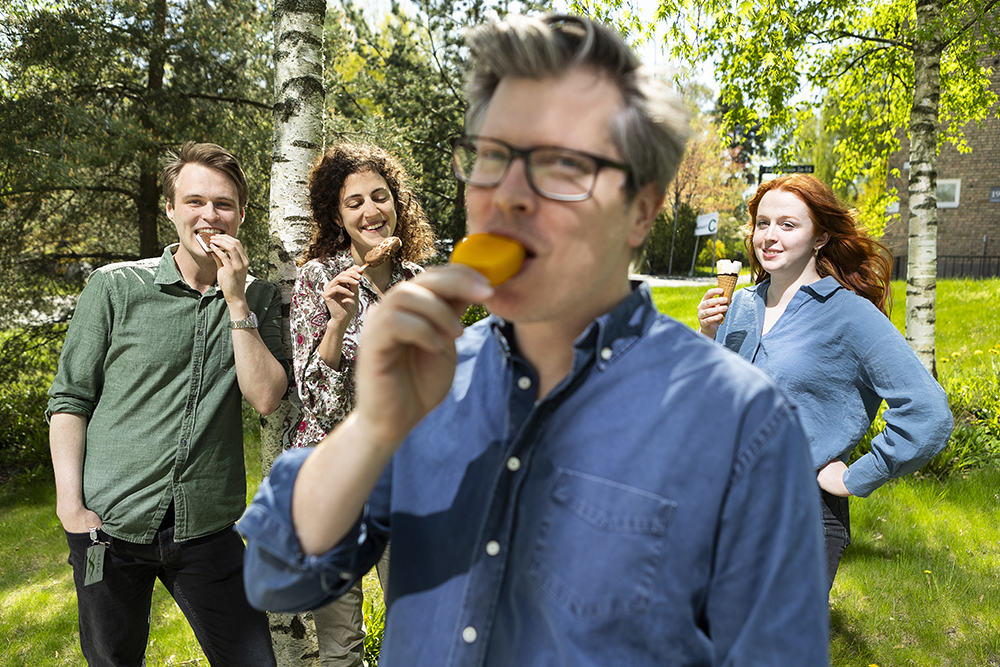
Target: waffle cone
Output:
[(727, 281)]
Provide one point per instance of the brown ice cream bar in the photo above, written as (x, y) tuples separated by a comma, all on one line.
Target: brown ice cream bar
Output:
[(382, 251), (205, 235)]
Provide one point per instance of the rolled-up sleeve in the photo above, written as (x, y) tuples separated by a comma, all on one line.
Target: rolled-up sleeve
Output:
[(277, 575), (78, 384), (918, 419)]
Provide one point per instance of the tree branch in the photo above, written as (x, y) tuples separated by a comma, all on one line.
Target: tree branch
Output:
[(841, 34), (972, 22), (232, 100), (73, 188)]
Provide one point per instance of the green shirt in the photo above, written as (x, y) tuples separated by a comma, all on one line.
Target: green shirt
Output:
[(149, 362)]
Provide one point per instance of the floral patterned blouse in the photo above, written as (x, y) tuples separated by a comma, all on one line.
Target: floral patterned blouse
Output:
[(327, 394)]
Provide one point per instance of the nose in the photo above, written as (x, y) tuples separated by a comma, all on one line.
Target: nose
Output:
[(770, 232), (514, 192), (370, 210), (211, 213)]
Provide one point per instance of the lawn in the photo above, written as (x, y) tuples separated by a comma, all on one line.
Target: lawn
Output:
[(919, 586)]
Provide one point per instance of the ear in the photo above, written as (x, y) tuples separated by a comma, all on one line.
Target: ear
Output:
[(821, 240), (644, 208), (170, 210)]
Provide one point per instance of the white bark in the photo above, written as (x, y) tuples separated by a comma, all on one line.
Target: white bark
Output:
[(298, 142), (921, 278)]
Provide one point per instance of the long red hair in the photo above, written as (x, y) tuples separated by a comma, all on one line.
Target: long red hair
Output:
[(857, 261)]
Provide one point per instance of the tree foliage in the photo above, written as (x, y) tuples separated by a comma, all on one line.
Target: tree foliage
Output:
[(401, 84), (92, 94), (893, 68)]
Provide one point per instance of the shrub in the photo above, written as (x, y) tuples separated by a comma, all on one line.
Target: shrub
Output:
[(24, 434)]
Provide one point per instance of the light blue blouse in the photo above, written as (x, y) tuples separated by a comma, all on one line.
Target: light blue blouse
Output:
[(838, 357)]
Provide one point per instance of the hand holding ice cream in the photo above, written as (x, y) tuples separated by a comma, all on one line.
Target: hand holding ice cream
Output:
[(713, 306)]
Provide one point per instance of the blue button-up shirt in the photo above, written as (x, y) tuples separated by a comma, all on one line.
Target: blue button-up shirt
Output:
[(659, 507), (838, 357)]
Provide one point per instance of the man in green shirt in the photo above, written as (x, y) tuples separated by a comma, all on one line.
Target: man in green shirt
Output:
[(145, 424)]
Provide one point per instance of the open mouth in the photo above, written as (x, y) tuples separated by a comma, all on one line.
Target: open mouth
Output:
[(374, 227), (205, 235)]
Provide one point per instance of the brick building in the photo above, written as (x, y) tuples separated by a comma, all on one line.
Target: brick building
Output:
[(968, 201)]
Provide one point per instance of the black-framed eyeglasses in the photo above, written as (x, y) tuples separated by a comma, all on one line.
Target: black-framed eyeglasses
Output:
[(553, 172)]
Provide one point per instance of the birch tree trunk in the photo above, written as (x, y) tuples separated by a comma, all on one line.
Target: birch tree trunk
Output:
[(921, 270), (298, 142)]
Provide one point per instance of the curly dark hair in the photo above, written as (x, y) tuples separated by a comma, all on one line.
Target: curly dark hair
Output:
[(858, 262), (326, 181)]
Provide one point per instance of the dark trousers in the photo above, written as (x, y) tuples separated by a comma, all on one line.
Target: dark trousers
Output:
[(205, 578), (836, 530)]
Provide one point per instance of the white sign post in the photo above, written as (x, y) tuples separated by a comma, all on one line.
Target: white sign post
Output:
[(706, 225)]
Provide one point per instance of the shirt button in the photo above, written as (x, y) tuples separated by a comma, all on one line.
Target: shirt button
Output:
[(606, 353), (513, 464), (524, 382), (344, 576), (492, 547), (469, 635)]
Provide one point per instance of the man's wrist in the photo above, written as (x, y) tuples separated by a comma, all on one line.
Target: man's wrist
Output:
[(248, 322)]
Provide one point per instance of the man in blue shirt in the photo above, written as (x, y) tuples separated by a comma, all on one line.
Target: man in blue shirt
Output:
[(577, 480)]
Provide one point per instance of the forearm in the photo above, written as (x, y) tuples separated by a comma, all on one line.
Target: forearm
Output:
[(334, 483), (332, 344), (261, 377), (68, 444)]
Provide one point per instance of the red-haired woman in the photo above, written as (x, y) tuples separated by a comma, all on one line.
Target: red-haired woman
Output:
[(360, 196), (816, 319)]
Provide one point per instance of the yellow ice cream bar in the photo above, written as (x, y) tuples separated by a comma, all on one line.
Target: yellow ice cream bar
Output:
[(496, 257)]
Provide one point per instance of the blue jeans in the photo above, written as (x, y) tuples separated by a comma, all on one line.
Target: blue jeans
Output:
[(836, 530), (205, 578)]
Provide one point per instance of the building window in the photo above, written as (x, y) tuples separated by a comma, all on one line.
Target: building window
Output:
[(948, 192)]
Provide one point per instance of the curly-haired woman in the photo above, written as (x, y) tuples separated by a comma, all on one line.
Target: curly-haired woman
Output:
[(816, 320), (360, 196)]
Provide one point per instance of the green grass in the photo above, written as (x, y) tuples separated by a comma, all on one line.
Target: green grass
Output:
[(38, 625), (920, 585)]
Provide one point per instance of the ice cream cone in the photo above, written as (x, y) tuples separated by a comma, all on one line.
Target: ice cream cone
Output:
[(727, 273), (727, 281)]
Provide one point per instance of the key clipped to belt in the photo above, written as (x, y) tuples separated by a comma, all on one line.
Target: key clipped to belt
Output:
[(95, 559)]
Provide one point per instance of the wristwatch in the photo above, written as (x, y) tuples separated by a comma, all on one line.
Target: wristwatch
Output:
[(248, 322)]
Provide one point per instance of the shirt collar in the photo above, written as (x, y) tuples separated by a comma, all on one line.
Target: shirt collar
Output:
[(608, 336), (167, 272), (821, 289)]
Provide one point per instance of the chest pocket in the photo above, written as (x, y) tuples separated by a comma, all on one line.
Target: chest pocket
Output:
[(600, 545)]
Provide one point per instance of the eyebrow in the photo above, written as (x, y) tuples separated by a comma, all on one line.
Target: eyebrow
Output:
[(198, 195), (361, 194)]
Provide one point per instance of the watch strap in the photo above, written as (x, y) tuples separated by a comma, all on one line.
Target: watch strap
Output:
[(248, 322)]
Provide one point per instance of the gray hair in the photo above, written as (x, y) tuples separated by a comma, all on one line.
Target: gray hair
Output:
[(652, 126)]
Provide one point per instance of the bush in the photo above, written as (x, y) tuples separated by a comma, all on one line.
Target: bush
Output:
[(24, 434)]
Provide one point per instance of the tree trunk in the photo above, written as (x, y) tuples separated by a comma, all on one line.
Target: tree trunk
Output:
[(921, 276), (298, 142), (148, 200)]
